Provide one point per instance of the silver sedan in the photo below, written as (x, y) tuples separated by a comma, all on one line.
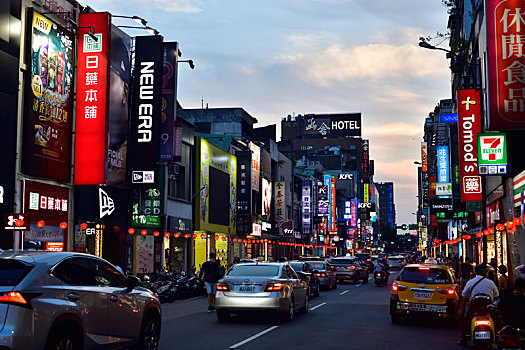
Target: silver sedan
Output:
[(262, 287)]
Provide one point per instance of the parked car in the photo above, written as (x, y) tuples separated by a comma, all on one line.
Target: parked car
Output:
[(59, 300), (262, 287), (396, 262), (326, 273), (367, 259), (314, 285), (350, 268), (425, 289)]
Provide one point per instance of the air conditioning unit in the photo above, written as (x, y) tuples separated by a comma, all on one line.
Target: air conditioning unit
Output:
[(173, 169)]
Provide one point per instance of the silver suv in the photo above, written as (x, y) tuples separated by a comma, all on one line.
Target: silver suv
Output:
[(73, 301)]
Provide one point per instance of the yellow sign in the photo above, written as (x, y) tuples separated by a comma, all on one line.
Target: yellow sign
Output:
[(41, 23), (366, 193)]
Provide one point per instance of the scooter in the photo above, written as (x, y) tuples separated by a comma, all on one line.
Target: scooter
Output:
[(511, 338), (380, 278), (482, 324)]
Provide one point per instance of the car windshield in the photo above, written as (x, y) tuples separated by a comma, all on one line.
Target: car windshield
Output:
[(343, 261), (297, 266), (363, 256), (317, 266), (395, 258), (424, 276), (254, 270), (12, 272)]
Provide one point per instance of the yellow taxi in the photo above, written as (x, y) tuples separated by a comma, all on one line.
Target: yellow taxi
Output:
[(425, 289)]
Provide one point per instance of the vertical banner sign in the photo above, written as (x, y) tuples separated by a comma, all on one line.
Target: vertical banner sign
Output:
[(506, 61), (443, 164), (118, 108), (256, 166), (353, 213), (366, 193), (307, 206), (347, 215), (145, 109), (266, 197), (366, 158), (48, 99), (424, 157), (169, 101), (469, 126), (492, 150), (244, 183), (280, 201), (326, 183), (332, 227), (322, 198), (92, 99)]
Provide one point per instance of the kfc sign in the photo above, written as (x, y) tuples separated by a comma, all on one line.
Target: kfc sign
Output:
[(506, 63), (469, 126)]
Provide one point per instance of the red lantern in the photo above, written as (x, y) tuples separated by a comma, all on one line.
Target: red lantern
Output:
[(131, 231), (186, 235), (511, 226), (245, 241), (491, 230), (223, 238), (176, 235), (83, 226), (235, 239), (203, 236), (41, 223), (116, 229), (486, 232), (216, 237), (19, 222), (103, 227), (143, 232), (500, 227), (194, 235), (467, 237), (156, 233), (517, 221), (63, 225), (167, 235)]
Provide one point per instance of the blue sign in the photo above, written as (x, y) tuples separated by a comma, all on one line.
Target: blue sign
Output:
[(390, 216), (347, 215), (443, 164), (448, 118)]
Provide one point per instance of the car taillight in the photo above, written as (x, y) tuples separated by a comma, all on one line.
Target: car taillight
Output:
[(398, 287), (322, 274), (448, 291), (351, 267), (482, 323), (368, 259), (274, 287), (378, 274), (223, 287), (13, 298)]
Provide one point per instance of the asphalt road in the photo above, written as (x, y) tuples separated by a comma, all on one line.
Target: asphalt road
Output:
[(349, 317)]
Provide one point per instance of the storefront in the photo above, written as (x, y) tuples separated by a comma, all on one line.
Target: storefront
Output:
[(177, 248), (47, 207)]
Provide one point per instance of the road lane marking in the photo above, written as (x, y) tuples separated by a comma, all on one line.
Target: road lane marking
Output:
[(317, 306), (359, 285), (346, 291), (234, 346)]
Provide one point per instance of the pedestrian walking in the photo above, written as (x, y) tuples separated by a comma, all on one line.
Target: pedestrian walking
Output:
[(503, 280), (210, 272)]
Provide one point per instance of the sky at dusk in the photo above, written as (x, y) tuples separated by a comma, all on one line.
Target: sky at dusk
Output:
[(279, 57)]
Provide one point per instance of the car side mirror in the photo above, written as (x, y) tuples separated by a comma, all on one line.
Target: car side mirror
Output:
[(302, 276), (133, 282)]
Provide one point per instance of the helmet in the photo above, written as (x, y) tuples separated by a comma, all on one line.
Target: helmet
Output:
[(481, 269), (520, 272)]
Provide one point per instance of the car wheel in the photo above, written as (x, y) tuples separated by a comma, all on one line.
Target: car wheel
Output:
[(397, 319), (356, 279), (290, 313), (150, 333), (317, 290), (223, 315), (365, 280), (64, 339), (306, 304)]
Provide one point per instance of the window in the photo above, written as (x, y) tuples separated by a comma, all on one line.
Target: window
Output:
[(254, 270), (12, 271), (75, 271), (424, 276), (107, 275)]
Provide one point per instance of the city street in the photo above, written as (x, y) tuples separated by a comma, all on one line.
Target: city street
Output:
[(349, 317)]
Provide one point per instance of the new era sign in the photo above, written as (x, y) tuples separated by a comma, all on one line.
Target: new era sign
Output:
[(105, 203), (143, 177)]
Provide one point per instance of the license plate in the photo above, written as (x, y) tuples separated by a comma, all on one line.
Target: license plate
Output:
[(420, 295), (247, 289), (481, 335), (422, 307)]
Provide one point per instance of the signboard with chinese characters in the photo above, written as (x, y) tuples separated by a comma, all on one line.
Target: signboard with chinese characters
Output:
[(443, 164), (91, 104), (49, 90), (424, 157), (444, 189), (492, 151), (469, 126), (307, 206), (347, 215), (256, 166), (332, 223), (505, 32), (280, 201), (256, 230), (244, 182), (353, 213), (332, 125)]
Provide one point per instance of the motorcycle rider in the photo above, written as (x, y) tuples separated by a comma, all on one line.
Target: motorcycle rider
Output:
[(512, 305), (382, 267), (479, 285)]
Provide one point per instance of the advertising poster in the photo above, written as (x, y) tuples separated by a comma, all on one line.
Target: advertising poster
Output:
[(256, 166), (48, 100), (146, 109), (92, 99), (505, 31), (224, 181), (469, 126), (144, 262), (280, 201), (266, 197), (169, 101), (119, 81)]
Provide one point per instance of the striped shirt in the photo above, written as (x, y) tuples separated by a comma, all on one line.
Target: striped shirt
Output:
[(486, 286)]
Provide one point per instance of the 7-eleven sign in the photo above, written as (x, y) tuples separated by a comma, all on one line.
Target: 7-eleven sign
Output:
[(492, 153)]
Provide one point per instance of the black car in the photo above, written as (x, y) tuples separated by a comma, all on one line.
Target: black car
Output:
[(367, 259), (350, 268), (313, 278)]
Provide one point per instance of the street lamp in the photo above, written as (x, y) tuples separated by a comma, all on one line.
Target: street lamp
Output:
[(150, 30), (418, 163), (190, 62), (137, 19), (426, 45)]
